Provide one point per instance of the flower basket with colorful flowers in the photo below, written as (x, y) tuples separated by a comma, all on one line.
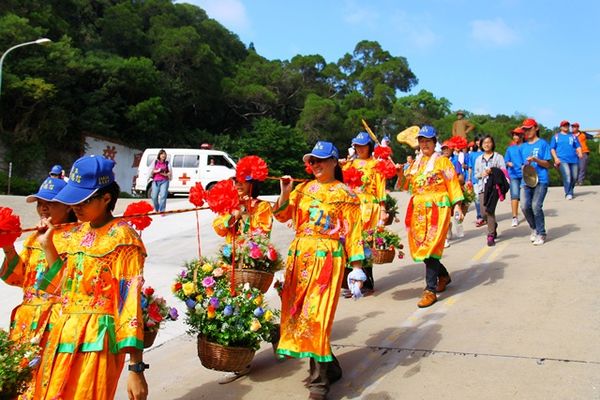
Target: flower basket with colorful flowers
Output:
[(154, 312), (469, 196), (256, 260), (229, 320), (383, 244), (17, 362)]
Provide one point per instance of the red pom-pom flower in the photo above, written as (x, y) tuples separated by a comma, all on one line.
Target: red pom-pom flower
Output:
[(382, 152), (9, 222), (223, 197), (197, 195), (308, 168), (457, 142), (251, 168), (140, 222), (386, 168), (353, 177)]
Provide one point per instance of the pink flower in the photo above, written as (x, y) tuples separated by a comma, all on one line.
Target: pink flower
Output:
[(218, 272), (256, 253), (209, 281)]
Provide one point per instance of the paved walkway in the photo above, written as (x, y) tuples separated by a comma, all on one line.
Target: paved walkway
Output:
[(517, 321)]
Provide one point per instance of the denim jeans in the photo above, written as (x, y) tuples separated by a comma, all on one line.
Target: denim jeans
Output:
[(515, 188), (583, 162), (160, 191), (532, 203), (433, 270), (478, 208), (569, 176)]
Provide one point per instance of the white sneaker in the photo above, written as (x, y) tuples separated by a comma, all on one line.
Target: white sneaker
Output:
[(540, 240), (446, 243), (515, 222), (569, 197), (533, 236)]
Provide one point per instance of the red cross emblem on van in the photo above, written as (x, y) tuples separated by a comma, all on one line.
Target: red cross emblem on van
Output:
[(184, 178)]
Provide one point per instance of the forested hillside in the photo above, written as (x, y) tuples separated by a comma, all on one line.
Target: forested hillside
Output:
[(154, 73)]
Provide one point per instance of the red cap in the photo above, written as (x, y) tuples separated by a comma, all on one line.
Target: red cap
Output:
[(518, 130), (529, 123), (564, 122), (575, 124)]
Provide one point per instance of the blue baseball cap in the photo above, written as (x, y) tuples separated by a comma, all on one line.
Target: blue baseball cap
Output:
[(427, 131), (88, 174), (48, 190), (322, 150), (362, 139), (56, 170)]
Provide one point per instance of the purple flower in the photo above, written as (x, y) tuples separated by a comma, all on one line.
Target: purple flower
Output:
[(183, 273), (209, 281), (228, 310), (258, 312), (190, 303), (214, 301), (173, 314)]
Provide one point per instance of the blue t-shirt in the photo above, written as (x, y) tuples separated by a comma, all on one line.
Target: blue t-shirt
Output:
[(513, 155), (565, 145), (539, 149), (471, 164)]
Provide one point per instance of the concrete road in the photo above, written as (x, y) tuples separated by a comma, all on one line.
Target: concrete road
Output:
[(517, 321)]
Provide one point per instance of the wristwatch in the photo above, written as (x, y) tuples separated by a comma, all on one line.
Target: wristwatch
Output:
[(138, 367)]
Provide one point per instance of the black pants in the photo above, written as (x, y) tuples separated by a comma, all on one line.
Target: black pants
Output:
[(433, 269), (323, 374)]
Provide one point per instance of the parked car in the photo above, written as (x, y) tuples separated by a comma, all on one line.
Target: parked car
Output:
[(188, 166)]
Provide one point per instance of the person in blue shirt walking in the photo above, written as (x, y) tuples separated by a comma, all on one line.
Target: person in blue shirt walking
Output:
[(566, 151), (535, 151), (514, 164)]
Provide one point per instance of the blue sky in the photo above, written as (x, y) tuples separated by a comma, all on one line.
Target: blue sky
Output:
[(538, 58)]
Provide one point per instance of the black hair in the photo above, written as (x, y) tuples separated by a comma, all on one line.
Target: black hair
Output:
[(255, 189), (161, 151), (71, 217), (492, 139), (337, 173), (113, 190), (371, 147)]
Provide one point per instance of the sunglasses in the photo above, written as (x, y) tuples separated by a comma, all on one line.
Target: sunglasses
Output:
[(313, 161)]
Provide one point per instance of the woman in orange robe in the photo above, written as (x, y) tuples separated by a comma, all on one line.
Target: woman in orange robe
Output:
[(101, 315), (325, 214), (435, 191), (32, 319), (371, 194)]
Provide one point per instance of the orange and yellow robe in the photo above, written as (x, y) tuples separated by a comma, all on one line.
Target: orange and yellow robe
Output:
[(372, 191), (259, 219), (33, 318), (434, 187), (101, 314), (326, 218)]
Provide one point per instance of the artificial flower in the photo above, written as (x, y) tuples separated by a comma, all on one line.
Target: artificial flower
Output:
[(140, 221), (218, 272), (223, 198), (208, 282), (214, 301), (210, 312), (9, 222), (189, 288), (258, 312), (382, 152), (255, 325), (268, 315), (255, 253), (251, 168), (228, 310), (191, 303), (386, 168), (197, 195), (176, 287), (353, 177), (149, 291), (207, 268)]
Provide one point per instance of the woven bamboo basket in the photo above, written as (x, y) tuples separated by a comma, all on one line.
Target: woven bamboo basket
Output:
[(149, 338), (223, 358), (383, 256), (257, 279)]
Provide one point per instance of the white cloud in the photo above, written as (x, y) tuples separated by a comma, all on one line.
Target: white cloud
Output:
[(359, 15), (230, 13), (494, 32)]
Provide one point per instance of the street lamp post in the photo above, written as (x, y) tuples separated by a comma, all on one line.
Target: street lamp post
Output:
[(39, 41)]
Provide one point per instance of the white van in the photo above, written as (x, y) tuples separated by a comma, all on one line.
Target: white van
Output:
[(188, 166)]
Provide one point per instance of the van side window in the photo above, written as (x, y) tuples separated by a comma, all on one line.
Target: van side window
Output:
[(177, 161), (219, 160), (191, 161), (150, 160)]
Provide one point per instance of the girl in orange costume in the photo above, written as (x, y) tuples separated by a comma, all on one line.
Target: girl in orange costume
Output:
[(32, 319), (101, 315), (326, 217)]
